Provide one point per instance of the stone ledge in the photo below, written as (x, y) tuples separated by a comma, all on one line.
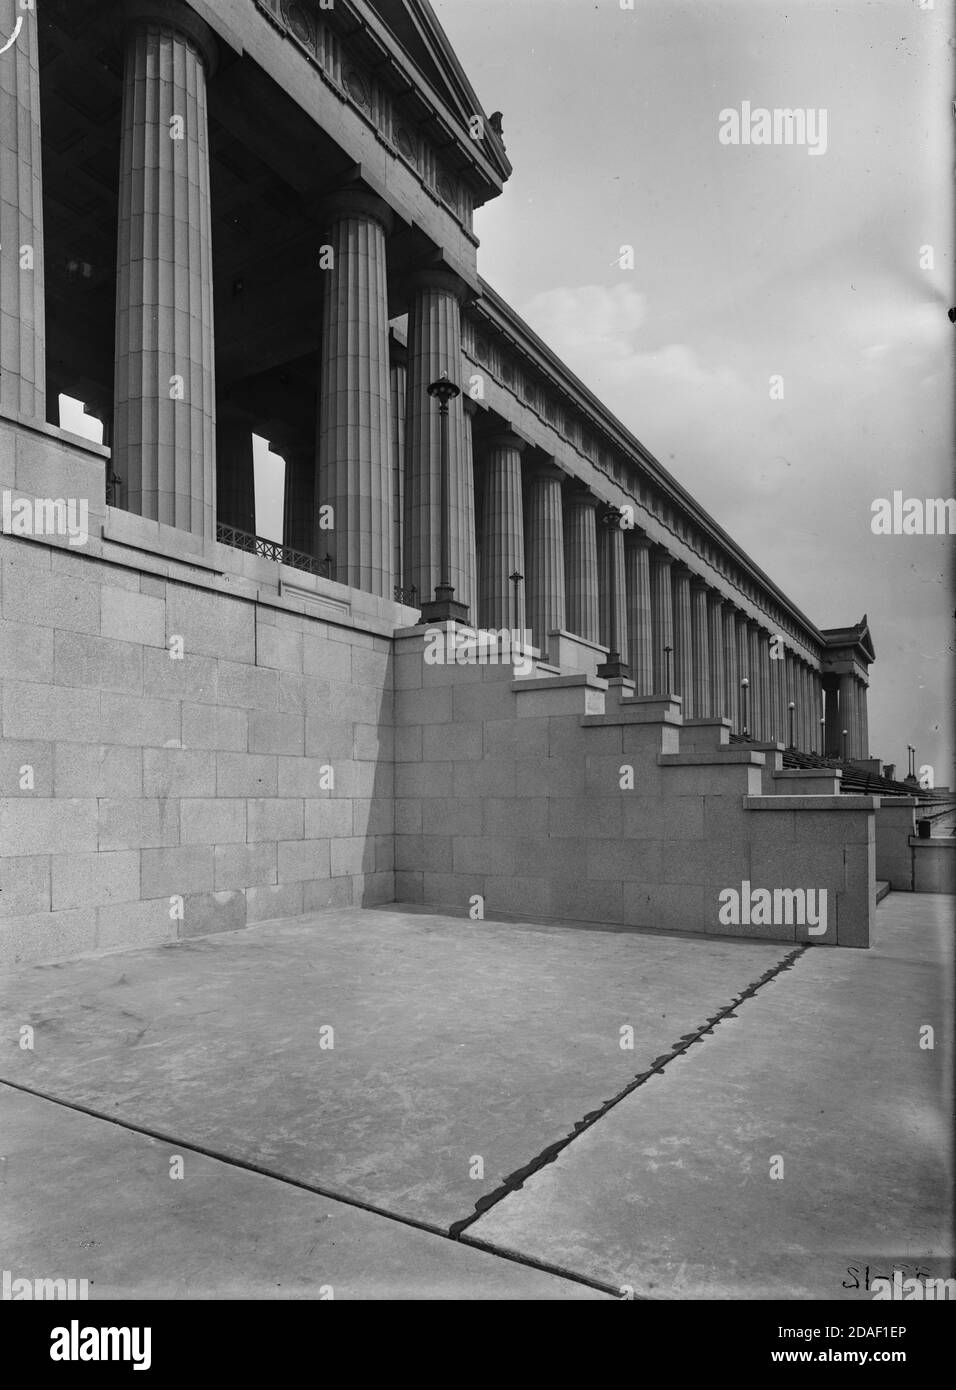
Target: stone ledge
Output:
[(719, 759), (839, 802), (579, 678), (810, 773), (61, 436), (648, 711)]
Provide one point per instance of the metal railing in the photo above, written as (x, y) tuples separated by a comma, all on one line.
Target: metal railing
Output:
[(272, 550)]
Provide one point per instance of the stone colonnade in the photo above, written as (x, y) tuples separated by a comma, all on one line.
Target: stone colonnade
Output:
[(548, 557), (847, 732)]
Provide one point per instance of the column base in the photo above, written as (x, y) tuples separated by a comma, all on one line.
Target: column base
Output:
[(444, 607), (614, 668)]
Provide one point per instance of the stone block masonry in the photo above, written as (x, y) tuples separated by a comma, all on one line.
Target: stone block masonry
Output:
[(569, 797), (182, 749), (194, 740)]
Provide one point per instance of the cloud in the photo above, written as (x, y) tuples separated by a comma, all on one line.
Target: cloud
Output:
[(792, 481), (589, 319)]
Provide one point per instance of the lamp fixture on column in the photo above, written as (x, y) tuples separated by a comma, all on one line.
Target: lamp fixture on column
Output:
[(744, 687), (792, 708), (614, 668), (516, 579), (668, 674), (444, 607), (844, 733)]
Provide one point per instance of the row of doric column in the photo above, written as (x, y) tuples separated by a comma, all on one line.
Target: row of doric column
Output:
[(676, 633), (847, 732), (343, 503), (366, 497)]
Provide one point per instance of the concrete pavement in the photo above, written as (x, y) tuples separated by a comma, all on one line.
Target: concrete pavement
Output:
[(476, 1085), (805, 1138), (82, 1198), (458, 1050)]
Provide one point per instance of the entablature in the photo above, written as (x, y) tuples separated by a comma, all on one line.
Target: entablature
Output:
[(360, 58)]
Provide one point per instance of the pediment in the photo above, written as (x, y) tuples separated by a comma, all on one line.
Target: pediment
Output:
[(855, 639), (414, 25)]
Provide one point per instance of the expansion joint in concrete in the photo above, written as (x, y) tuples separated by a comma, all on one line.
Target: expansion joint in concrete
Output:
[(329, 1193), (519, 1177)]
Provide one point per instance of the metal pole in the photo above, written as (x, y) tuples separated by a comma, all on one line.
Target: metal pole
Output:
[(444, 607), (516, 579), (445, 561)]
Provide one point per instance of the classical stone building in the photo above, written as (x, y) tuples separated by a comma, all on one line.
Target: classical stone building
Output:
[(233, 216)]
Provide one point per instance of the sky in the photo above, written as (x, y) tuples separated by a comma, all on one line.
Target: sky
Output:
[(752, 261)]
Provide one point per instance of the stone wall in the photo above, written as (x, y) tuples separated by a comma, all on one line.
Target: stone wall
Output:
[(144, 796), (895, 823), (558, 797), (196, 739), (934, 865)]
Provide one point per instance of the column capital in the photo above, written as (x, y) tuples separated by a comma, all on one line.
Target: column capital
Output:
[(716, 598), (550, 472), (354, 201), (698, 582), (637, 538), (661, 556), (580, 495), (176, 15), (440, 278), (503, 439)]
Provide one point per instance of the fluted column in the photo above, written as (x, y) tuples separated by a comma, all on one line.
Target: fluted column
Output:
[(833, 725), (847, 716), (22, 311), (637, 584), (164, 391), (817, 704), (778, 719), (700, 642), (397, 376), (857, 720), (814, 734), (580, 563), (235, 474), (757, 678), (715, 642), (544, 555), (298, 454), (791, 695), (741, 624), (611, 582), (354, 476), (662, 621), (862, 722), (683, 641), (501, 601), (766, 692), (434, 346), (731, 667)]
